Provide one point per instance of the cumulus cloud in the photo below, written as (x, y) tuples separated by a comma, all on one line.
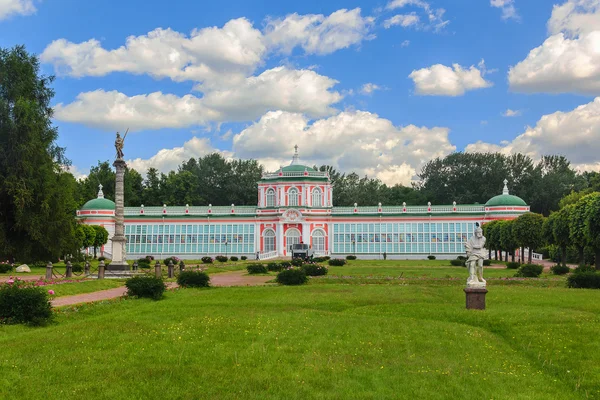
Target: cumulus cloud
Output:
[(405, 43), (569, 60), (279, 88), (351, 141), (512, 113), (316, 33), (369, 88), (8, 8), (574, 134), (441, 80), (434, 17), (508, 8)]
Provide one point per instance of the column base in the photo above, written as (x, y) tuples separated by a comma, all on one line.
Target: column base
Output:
[(475, 298), (118, 267)]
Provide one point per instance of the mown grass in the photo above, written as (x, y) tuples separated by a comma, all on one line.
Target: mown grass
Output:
[(85, 286), (315, 341)]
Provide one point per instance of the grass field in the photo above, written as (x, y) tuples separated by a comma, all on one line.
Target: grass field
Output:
[(332, 341)]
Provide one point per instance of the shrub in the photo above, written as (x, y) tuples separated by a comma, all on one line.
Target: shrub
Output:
[(76, 268), (243, 258), (584, 280), (337, 262), (431, 257), (233, 258), (487, 263), (327, 258), (457, 263), (292, 276), (173, 259), (5, 267), (274, 267), (207, 260), (101, 258), (193, 279), (461, 258), (529, 271), (319, 259), (560, 269), (24, 303), (285, 264), (145, 286), (256, 269), (584, 268), (351, 257), (297, 262), (513, 265), (314, 269), (221, 258)]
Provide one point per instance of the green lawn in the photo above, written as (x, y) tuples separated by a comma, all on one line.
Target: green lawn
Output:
[(315, 341), (86, 286)]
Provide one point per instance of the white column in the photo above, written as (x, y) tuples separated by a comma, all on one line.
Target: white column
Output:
[(279, 237), (257, 237), (330, 236), (325, 196), (306, 232)]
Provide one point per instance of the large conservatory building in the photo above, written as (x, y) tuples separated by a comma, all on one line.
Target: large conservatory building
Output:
[(294, 205)]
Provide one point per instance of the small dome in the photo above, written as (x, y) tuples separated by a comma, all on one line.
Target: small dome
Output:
[(99, 204), (297, 168), (505, 199)]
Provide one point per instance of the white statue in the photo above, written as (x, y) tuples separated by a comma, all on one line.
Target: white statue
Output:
[(475, 256)]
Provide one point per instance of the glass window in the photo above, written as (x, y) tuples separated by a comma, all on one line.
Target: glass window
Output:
[(270, 198), (317, 198), (293, 197)]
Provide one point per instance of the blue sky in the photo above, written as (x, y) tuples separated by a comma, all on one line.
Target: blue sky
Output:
[(312, 88)]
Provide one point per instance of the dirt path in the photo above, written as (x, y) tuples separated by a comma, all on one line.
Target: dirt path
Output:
[(225, 279)]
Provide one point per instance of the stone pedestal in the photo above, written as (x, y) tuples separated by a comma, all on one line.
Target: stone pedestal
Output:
[(475, 298), (119, 256)]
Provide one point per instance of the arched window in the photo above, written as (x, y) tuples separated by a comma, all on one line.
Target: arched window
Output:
[(292, 236), (318, 241), (270, 198), (317, 197), (269, 240), (293, 197)]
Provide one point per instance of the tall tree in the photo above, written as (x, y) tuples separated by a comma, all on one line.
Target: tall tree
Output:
[(592, 224), (507, 238), (577, 218), (36, 196), (100, 237), (528, 232)]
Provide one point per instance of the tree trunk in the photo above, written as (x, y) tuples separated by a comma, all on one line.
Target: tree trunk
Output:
[(564, 255), (598, 259), (513, 255), (506, 256), (581, 257), (490, 254), (495, 254), (94, 252), (530, 255)]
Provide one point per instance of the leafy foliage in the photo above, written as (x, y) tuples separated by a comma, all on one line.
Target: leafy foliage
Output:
[(584, 280), (292, 276), (172, 259), (207, 260), (5, 267), (24, 303), (243, 258), (431, 257), (256, 268), (272, 266), (487, 263), (529, 271), (560, 269), (513, 265), (221, 259), (314, 269), (193, 279), (233, 258), (527, 230), (145, 286), (350, 257), (457, 263), (337, 262), (297, 262), (100, 237)]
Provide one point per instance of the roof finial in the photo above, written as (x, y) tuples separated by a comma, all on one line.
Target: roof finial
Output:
[(100, 193), (505, 190), (295, 159)]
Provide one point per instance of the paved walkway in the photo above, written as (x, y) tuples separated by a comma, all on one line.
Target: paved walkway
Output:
[(225, 279)]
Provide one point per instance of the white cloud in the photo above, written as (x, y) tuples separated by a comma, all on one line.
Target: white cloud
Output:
[(279, 88), (351, 141), (405, 43), (440, 80), (435, 17), (369, 88), (508, 8), (574, 134), (569, 60), (8, 8), (512, 113), (404, 20), (316, 33)]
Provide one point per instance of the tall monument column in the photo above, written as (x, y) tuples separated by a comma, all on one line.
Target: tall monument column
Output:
[(119, 260)]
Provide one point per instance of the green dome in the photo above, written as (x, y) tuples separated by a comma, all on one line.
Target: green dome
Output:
[(505, 200), (297, 168), (99, 204)]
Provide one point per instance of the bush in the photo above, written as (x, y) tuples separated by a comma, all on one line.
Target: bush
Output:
[(207, 260), (145, 286), (513, 265), (243, 258), (584, 280), (351, 257), (560, 269), (319, 259), (297, 262), (285, 264), (233, 258), (274, 267), (24, 303), (314, 269), (76, 268), (256, 269), (292, 276), (221, 258), (173, 259), (487, 263), (101, 258), (529, 271), (584, 268), (5, 267), (457, 263), (336, 262), (431, 257), (461, 258), (193, 279), (327, 258)]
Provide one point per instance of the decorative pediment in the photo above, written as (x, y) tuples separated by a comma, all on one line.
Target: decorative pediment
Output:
[(291, 215)]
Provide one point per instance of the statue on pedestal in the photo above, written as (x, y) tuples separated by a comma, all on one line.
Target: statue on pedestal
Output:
[(119, 143), (475, 249)]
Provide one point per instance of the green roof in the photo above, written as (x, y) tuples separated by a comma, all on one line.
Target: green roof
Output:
[(505, 200), (99, 204), (297, 168)]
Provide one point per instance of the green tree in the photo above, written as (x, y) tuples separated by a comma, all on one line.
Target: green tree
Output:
[(560, 230), (577, 218), (151, 195), (507, 238), (528, 231), (101, 174), (36, 196), (492, 236), (100, 237), (133, 185), (555, 179), (592, 224)]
